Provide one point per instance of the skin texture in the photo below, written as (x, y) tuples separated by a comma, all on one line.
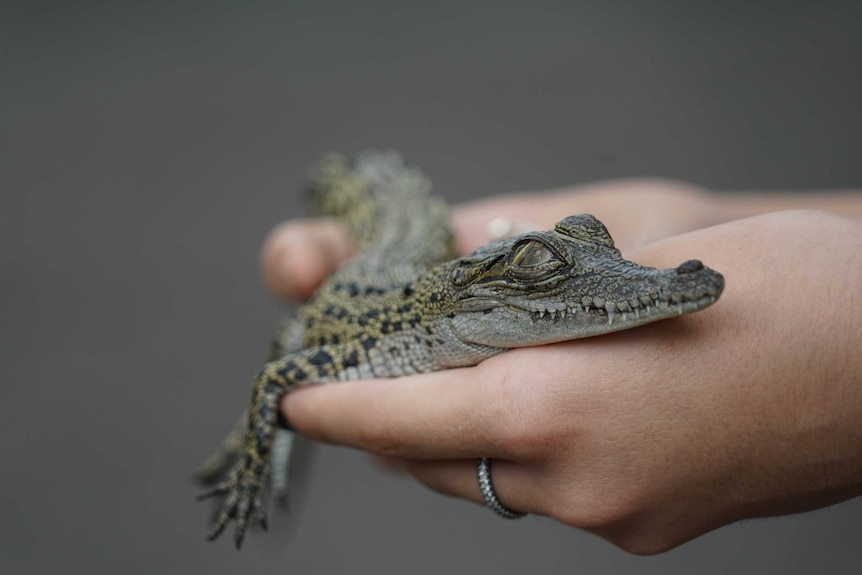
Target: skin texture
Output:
[(648, 437)]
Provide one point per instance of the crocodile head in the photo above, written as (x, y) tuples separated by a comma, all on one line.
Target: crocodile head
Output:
[(571, 282)]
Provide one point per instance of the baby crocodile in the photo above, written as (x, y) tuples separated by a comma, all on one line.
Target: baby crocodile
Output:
[(405, 304)]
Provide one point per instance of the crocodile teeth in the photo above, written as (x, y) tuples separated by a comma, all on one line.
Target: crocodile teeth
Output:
[(541, 313), (624, 316), (563, 313), (611, 317), (679, 308), (637, 313)]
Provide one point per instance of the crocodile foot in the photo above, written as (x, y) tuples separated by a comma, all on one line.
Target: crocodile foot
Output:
[(243, 501)]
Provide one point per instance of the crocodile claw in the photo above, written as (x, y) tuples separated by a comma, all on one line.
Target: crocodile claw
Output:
[(242, 501)]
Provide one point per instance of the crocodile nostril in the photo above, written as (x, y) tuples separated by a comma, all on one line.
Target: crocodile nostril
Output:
[(689, 267)]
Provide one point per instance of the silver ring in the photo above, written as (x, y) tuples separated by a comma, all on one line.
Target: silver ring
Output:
[(483, 470)]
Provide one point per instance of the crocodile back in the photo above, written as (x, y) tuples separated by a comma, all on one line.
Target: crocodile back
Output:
[(400, 228)]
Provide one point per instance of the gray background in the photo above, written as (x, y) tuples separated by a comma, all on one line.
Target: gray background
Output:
[(148, 148)]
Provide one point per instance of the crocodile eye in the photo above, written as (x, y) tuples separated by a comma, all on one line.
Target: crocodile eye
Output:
[(531, 254)]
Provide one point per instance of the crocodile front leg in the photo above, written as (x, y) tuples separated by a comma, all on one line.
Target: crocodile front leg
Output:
[(244, 491)]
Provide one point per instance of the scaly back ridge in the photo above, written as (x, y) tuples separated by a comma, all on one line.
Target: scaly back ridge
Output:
[(399, 227)]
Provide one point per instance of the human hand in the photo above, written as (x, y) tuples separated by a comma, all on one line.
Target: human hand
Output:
[(652, 436)]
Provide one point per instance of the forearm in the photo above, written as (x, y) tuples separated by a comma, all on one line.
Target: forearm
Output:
[(640, 211), (742, 204)]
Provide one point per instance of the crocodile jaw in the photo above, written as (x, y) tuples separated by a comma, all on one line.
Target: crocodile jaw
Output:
[(508, 327), (571, 312)]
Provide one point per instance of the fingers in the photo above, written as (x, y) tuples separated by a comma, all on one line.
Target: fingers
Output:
[(443, 415), (298, 255)]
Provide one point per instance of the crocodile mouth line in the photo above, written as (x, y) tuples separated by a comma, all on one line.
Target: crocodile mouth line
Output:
[(598, 307)]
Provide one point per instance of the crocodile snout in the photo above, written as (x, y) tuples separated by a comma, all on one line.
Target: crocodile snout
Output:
[(689, 267)]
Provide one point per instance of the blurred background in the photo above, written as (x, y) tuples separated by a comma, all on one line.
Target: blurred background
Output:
[(146, 149)]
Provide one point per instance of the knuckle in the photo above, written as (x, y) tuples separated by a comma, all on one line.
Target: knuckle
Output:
[(595, 513), (645, 544), (528, 439), (600, 502), (641, 539), (622, 518)]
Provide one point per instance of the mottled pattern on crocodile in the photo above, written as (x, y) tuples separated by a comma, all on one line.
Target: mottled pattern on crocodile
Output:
[(405, 304)]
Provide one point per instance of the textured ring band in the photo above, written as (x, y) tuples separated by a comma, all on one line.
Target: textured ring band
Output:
[(483, 471)]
